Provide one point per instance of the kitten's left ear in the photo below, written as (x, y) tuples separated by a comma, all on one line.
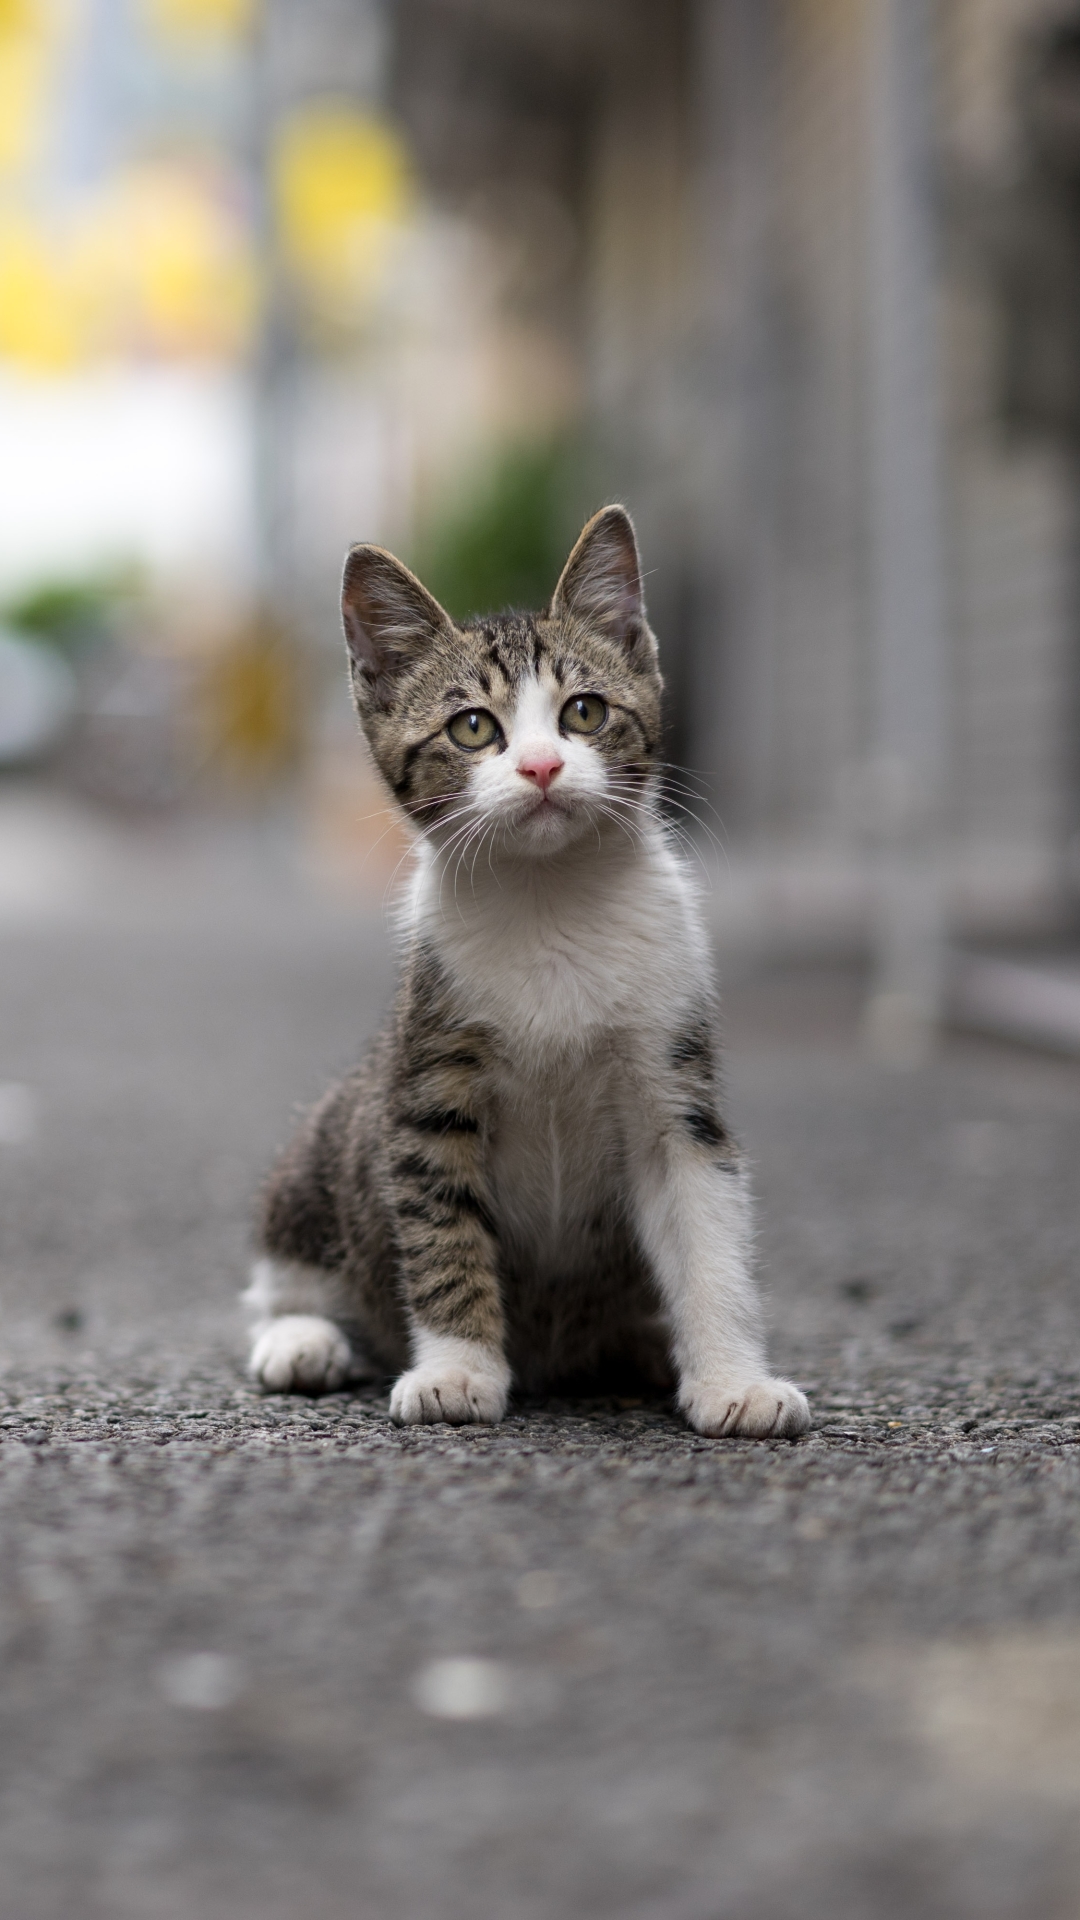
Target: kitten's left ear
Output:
[(601, 585), (389, 619)]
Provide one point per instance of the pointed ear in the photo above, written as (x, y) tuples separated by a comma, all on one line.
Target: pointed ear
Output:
[(601, 586), (389, 619)]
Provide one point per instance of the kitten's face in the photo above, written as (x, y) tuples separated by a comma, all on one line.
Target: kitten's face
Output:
[(519, 732)]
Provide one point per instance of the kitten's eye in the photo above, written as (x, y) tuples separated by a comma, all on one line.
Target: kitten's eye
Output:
[(473, 729), (585, 713)]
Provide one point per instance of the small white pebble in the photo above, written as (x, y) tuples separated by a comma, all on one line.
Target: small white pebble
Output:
[(204, 1681), (463, 1689), (18, 1114)]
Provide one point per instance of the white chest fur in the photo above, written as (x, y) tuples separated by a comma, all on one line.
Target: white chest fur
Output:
[(557, 1154), (551, 953)]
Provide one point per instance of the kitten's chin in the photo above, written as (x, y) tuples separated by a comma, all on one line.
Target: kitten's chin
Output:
[(538, 831)]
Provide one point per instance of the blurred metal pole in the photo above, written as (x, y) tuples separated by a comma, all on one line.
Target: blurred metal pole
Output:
[(739, 402), (274, 369), (908, 595)]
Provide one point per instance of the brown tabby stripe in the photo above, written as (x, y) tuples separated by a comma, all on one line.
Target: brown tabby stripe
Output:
[(434, 1160), (693, 1053)]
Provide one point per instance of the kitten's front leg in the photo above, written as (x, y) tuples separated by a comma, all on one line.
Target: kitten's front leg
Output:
[(446, 1240), (694, 1219), (460, 1381)]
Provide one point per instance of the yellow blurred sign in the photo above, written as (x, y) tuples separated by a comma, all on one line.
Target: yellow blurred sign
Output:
[(28, 32), (159, 258), (342, 186), (194, 20), (153, 263), (251, 706)]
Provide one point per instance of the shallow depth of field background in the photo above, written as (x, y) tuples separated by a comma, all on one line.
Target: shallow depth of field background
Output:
[(797, 279)]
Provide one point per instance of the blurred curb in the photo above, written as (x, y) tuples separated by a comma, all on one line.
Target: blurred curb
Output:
[(1035, 1002)]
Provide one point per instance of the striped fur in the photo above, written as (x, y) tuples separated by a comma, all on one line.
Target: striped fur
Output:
[(530, 1177)]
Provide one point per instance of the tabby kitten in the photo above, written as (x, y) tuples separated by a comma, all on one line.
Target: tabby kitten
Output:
[(529, 1179)]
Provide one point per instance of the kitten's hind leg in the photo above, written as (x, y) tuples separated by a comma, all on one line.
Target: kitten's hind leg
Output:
[(296, 1347), (300, 1353)]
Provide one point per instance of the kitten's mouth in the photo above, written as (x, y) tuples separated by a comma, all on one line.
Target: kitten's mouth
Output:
[(546, 805)]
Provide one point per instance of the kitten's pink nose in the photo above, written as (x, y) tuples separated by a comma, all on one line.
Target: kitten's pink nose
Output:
[(540, 764)]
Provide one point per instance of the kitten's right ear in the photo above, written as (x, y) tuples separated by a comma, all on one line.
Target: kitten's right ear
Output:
[(389, 619)]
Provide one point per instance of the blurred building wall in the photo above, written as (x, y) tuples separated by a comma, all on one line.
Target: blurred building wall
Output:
[(644, 227), (715, 159)]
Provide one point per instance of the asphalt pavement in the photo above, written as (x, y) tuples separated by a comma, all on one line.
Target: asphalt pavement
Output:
[(270, 1657)]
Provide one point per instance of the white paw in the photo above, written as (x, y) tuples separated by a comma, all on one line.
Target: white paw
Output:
[(459, 1395), (756, 1409), (300, 1353)]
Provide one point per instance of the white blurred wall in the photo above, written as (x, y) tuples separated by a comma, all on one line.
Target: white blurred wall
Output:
[(143, 465)]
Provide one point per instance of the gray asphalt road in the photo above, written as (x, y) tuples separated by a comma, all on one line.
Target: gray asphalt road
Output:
[(271, 1658)]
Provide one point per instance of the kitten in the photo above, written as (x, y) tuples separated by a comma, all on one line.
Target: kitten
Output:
[(529, 1179)]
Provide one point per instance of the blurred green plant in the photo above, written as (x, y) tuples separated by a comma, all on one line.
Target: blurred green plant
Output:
[(505, 543), (71, 614)]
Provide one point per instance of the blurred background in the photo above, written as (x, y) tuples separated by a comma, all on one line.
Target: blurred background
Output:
[(797, 279)]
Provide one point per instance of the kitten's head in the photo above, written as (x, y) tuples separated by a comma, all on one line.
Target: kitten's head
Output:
[(523, 730)]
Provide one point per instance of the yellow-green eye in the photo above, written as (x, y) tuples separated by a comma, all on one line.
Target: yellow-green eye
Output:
[(585, 713), (473, 729)]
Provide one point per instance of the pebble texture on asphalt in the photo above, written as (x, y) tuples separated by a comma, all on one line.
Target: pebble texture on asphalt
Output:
[(271, 1657)]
